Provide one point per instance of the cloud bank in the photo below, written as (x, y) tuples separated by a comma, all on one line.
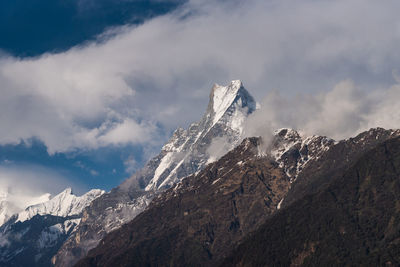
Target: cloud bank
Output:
[(137, 82), (339, 113)]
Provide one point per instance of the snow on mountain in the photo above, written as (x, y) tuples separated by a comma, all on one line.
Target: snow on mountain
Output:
[(64, 204), (293, 150), (188, 150), (37, 232), (223, 97), (11, 204)]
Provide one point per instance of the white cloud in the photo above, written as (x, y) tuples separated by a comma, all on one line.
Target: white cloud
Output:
[(126, 132), (120, 90), (339, 113), (25, 185)]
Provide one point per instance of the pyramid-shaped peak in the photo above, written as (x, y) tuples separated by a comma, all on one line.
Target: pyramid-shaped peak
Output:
[(222, 97), (220, 94)]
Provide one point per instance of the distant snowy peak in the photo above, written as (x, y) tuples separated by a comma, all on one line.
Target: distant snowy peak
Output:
[(64, 204), (188, 150), (11, 203)]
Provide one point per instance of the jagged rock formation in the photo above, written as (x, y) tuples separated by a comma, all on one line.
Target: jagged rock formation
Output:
[(199, 221), (202, 217), (354, 220), (187, 152), (293, 151), (317, 174), (31, 237)]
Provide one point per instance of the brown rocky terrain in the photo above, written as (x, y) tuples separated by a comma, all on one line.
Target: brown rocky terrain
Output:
[(354, 221), (293, 206), (202, 218)]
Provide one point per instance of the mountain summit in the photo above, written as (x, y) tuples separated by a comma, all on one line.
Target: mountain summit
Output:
[(188, 151), (230, 99)]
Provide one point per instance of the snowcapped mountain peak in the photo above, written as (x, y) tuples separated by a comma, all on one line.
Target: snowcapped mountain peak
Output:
[(64, 204), (187, 152), (231, 97), (223, 96), (219, 130)]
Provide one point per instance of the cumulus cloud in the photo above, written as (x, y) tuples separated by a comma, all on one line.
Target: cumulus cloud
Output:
[(135, 80), (339, 113)]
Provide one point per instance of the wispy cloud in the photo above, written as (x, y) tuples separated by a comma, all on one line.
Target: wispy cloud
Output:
[(124, 88)]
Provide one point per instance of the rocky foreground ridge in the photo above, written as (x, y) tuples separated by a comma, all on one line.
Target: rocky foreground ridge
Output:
[(204, 218)]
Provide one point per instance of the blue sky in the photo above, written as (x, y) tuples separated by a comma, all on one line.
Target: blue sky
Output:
[(30, 28), (35, 27), (90, 90)]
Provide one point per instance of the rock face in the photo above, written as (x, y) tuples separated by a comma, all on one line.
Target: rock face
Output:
[(202, 217), (205, 216), (353, 220), (187, 152), (294, 151), (31, 237), (317, 174)]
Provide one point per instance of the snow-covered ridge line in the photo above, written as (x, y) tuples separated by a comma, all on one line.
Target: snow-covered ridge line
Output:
[(64, 204)]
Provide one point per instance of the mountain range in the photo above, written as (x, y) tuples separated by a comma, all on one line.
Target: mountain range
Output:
[(31, 236), (215, 196)]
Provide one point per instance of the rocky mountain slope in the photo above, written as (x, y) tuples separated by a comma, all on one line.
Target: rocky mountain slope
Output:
[(199, 219), (354, 220), (187, 152), (32, 236), (204, 217)]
